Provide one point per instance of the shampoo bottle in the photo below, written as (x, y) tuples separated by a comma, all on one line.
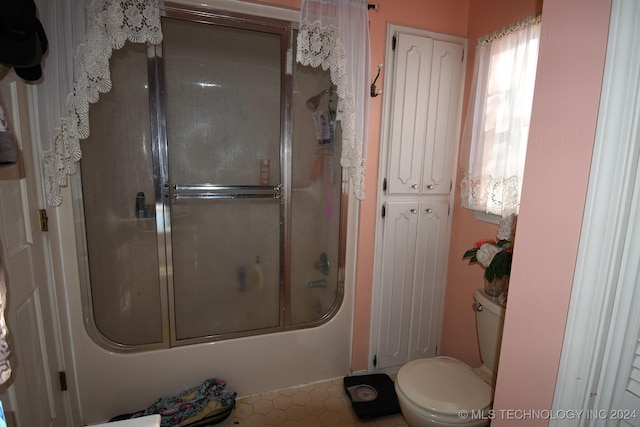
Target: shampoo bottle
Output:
[(257, 277)]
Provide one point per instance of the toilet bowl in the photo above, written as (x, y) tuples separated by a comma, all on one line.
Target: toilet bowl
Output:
[(442, 391)]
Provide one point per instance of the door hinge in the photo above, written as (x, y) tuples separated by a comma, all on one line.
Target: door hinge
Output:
[(375, 360), (44, 220), (393, 43), (384, 211), (62, 376), (384, 185)]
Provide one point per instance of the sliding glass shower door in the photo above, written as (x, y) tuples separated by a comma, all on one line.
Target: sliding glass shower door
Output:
[(223, 136)]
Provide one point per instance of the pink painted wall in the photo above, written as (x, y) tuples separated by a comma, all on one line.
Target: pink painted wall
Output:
[(459, 338), (563, 123)]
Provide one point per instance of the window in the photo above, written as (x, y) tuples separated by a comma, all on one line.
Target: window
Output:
[(497, 123)]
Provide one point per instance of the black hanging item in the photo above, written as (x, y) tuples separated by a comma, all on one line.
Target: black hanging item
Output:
[(23, 41), (374, 91)]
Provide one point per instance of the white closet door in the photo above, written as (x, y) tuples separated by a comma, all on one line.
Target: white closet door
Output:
[(397, 277), (430, 265), (411, 90), (413, 271), (426, 114), (444, 118)]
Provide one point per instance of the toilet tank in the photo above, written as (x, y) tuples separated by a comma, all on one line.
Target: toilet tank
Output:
[(489, 321)]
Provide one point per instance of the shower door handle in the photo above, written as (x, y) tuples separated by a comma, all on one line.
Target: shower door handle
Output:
[(210, 191)]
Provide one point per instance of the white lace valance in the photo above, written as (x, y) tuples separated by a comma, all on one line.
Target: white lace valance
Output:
[(490, 195), (110, 23), (334, 35)]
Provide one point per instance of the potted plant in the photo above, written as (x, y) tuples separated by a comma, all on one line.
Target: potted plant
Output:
[(495, 256)]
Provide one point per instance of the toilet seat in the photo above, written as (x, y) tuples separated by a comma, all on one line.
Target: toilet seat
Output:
[(444, 386)]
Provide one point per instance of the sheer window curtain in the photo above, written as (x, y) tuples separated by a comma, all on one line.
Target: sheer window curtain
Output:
[(497, 124), (82, 45), (334, 34)]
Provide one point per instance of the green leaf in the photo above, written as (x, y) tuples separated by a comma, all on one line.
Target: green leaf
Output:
[(501, 264), (469, 253), (489, 274)]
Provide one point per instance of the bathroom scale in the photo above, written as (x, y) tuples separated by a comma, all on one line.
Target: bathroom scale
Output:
[(372, 395)]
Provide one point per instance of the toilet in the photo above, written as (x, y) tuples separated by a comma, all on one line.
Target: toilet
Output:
[(442, 391)]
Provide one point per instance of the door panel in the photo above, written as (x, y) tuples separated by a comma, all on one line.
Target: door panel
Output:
[(121, 237), (397, 278), (444, 118), (226, 262), (429, 282), (410, 110), (31, 397)]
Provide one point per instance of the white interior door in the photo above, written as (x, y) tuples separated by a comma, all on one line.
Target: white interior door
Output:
[(32, 396)]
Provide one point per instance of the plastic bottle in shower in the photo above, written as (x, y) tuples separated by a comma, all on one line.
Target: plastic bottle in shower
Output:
[(256, 278), (140, 205)]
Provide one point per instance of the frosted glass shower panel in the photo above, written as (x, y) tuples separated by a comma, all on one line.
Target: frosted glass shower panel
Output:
[(315, 201), (223, 121), (223, 104), (226, 258), (122, 245)]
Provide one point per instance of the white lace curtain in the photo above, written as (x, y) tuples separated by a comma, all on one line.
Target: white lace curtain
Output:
[(496, 129), (109, 24), (334, 34)]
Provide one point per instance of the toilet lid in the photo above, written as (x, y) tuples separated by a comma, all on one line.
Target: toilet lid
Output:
[(443, 385)]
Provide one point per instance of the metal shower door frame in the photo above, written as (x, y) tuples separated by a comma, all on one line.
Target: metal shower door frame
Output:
[(165, 191)]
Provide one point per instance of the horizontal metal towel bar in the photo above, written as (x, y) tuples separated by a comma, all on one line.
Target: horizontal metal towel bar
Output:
[(216, 187), (225, 196), (214, 191)]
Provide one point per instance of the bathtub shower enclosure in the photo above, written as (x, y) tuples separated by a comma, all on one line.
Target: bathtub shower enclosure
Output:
[(211, 190)]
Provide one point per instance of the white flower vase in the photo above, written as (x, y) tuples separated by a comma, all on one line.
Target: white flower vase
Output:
[(496, 287)]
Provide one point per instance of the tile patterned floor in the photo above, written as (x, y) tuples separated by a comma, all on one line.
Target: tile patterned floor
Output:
[(315, 405)]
